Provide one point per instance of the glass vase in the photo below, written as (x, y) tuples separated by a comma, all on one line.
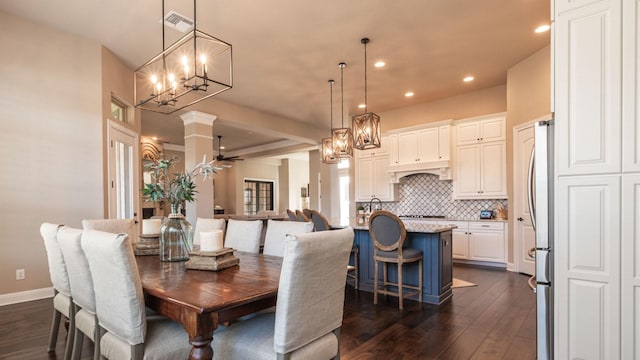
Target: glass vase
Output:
[(176, 237)]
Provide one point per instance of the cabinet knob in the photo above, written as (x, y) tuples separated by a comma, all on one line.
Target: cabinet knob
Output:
[(520, 219), (477, 139)]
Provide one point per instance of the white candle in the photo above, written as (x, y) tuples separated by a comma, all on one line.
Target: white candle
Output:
[(211, 240), (151, 226)]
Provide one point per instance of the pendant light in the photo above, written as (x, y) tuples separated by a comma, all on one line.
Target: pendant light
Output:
[(342, 137), (194, 68), (366, 127), (328, 156)]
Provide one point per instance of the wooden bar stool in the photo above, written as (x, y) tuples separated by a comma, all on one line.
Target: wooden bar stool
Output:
[(388, 234)]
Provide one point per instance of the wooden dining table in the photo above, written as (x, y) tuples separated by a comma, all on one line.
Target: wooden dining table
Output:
[(200, 300)]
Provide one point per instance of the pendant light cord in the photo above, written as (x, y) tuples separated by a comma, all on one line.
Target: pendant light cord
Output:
[(366, 101), (342, 66), (331, 105)]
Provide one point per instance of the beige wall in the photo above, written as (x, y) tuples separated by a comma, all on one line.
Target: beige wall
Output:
[(528, 97), (475, 103), (50, 144)]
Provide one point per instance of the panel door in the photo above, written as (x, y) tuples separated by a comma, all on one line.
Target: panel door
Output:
[(587, 88), (631, 266), (467, 178), (460, 244), (407, 147), (468, 133), (444, 142), (428, 149), (493, 173), (364, 178), (492, 129), (381, 184), (486, 245), (587, 267)]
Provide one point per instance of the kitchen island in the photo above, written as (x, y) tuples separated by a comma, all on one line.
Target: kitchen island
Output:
[(437, 265)]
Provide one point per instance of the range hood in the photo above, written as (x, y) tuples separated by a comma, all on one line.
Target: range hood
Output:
[(441, 168)]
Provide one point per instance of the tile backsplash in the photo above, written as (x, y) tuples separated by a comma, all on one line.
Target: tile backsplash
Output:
[(426, 194)]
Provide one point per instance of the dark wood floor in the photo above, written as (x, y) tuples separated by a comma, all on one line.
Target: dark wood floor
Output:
[(494, 320)]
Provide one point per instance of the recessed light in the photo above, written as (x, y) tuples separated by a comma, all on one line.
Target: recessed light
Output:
[(468, 79), (154, 138), (362, 106), (379, 64), (408, 94), (222, 147), (542, 28)]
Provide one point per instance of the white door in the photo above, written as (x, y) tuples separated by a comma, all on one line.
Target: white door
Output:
[(523, 233), (123, 171)]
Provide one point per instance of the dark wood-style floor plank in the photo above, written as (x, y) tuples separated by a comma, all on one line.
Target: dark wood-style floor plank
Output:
[(494, 320)]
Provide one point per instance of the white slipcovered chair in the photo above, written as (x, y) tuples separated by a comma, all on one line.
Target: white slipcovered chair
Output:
[(86, 321), (243, 235), (115, 226), (120, 304), (275, 238), (308, 316), (62, 301), (206, 224)]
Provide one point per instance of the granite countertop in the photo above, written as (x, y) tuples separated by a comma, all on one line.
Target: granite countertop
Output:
[(413, 227), (454, 219)]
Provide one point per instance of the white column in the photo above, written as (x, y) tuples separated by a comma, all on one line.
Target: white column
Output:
[(198, 142)]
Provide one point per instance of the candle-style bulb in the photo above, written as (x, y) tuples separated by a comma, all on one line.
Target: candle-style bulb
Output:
[(159, 87), (154, 79), (185, 61), (203, 59)]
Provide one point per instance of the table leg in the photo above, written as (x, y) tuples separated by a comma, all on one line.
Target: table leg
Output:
[(200, 328), (201, 349)]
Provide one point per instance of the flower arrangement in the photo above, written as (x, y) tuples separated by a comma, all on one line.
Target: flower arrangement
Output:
[(178, 187)]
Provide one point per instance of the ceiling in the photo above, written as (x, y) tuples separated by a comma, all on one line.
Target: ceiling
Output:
[(286, 50)]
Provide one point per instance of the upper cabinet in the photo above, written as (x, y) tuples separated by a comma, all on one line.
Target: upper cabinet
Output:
[(372, 178), (480, 161), (486, 129), (421, 146)]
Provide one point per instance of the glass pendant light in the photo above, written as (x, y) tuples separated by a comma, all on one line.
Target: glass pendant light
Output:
[(342, 137), (328, 156), (366, 127)]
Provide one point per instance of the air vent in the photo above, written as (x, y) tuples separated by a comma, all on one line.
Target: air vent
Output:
[(178, 22)]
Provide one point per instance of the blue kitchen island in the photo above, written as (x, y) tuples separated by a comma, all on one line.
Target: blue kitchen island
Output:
[(437, 264)]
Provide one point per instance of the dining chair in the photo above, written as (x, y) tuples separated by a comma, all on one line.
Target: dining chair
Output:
[(125, 331), (320, 223), (307, 213), (244, 235), (62, 301), (81, 284), (275, 237), (115, 226), (206, 224), (309, 309), (292, 215), (388, 234), (300, 216)]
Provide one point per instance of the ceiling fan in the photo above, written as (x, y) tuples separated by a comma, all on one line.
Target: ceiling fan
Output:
[(221, 157)]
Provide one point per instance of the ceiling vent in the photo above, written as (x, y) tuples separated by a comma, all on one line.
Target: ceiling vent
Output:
[(178, 22)]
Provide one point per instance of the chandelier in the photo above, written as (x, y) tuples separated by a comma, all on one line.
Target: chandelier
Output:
[(195, 67), (366, 127), (328, 156), (342, 137)]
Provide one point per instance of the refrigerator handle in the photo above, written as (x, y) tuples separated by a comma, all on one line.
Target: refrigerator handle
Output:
[(532, 283), (530, 188)]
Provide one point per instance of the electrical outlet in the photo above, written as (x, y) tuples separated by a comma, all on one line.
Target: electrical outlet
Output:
[(20, 274)]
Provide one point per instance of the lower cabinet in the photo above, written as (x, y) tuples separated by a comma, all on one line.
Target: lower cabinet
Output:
[(479, 241)]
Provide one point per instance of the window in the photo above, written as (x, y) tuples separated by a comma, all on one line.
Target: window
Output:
[(118, 110), (258, 196)]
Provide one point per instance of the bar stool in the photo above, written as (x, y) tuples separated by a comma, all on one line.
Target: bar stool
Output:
[(388, 234)]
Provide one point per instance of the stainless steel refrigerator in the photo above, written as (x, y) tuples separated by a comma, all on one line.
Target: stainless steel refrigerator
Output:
[(541, 209)]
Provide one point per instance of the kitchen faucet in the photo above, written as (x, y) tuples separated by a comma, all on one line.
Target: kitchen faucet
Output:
[(378, 207)]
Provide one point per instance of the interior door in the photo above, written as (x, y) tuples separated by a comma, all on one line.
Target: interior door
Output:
[(524, 234), (123, 171)]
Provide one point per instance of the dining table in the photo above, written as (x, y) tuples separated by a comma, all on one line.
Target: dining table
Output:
[(200, 300)]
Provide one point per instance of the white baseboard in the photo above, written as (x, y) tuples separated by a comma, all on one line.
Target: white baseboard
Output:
[(511, 267), (23, 296)]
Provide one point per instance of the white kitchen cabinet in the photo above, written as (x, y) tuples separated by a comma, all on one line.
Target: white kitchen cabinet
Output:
[(595, 84), (479, 241), (392, 141), (481, 129), (382, 150), (487, 241), (424, 145), (480, 171), (372, 179)]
